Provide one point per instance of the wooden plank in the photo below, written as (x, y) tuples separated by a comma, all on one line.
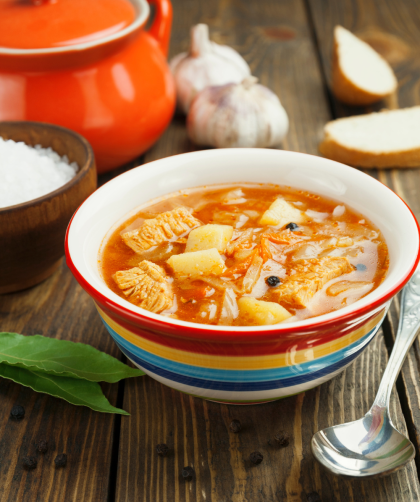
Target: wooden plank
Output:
[(197, 433), (409, 390), (358, 386), (392, 29), (57, 308), (275, 39)]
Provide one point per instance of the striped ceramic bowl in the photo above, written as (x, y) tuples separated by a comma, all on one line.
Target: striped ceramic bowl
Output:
[(241, 365)]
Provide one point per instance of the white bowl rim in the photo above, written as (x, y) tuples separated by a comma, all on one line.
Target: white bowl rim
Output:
[(369, 304)]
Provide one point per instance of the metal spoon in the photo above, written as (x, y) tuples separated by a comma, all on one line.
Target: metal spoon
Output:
[(372, 446)]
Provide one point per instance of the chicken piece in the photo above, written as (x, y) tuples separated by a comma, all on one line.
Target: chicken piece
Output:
[(163, 228), (147, 286), (310, 277)]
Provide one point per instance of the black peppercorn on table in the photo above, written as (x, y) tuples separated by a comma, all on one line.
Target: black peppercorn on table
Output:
[(287, 44)]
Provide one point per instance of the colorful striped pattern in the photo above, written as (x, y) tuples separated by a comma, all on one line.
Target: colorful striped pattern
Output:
[(282, 370)]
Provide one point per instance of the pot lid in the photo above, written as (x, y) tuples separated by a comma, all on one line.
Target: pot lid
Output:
[(44, 24)]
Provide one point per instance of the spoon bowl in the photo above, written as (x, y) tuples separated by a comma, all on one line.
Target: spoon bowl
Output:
[(372, 446), (367, 447)]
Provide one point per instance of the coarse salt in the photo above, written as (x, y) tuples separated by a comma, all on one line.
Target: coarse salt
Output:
[(27, 172)]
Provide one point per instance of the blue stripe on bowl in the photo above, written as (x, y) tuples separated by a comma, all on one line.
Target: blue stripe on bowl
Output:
[(243, 386), (253, 375), (247, 386)]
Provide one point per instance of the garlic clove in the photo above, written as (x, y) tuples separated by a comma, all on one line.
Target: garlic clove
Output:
[(200, 41), (206, 64), (237, 115)]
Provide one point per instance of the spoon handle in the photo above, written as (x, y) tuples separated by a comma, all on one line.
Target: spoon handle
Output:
[(407, 331)]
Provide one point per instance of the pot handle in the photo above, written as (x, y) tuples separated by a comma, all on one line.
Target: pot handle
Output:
[(161, 27)]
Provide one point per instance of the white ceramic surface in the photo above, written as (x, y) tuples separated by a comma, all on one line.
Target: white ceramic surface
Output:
[(114, 202)]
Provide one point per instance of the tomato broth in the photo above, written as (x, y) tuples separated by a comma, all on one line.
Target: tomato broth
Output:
[(244, 255)]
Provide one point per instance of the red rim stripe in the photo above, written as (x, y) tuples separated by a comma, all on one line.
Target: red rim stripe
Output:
[(280, 345), (165, 327)]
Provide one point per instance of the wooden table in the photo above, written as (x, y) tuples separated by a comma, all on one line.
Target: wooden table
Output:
[(287, 43)]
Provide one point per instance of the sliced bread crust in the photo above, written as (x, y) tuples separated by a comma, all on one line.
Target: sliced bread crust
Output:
[(344, 84), (354, 140)]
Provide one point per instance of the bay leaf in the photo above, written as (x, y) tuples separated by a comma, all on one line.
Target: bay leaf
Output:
[(62, 358), (73, 390)]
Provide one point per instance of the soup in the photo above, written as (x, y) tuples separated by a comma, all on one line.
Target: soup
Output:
[(244, 255)]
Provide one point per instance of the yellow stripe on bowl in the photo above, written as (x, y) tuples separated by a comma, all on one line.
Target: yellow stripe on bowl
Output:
[(242, 362)]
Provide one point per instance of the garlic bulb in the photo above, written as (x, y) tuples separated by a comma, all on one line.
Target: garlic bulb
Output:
[(207, 63), (237, 115)]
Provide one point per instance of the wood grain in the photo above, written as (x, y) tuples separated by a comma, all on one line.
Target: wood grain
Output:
[(198, 435), (57, 308), (275, 39), (390, 27), (409, 387)]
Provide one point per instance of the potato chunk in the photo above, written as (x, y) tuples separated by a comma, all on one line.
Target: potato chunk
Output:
[(147, 286), (208, 237), (164, 227), (254, 312), (280, 213), (310, 277), (197, 263)]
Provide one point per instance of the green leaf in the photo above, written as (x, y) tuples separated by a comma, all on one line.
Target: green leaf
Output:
[(74, 390), (62, 358)]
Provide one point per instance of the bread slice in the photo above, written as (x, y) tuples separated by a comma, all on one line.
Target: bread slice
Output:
[(390, 138), (360, 76)]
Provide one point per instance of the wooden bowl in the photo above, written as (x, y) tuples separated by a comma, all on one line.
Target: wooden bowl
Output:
[(32, 233)]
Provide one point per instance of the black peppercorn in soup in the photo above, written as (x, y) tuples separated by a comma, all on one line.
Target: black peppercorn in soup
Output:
[(244, 255)]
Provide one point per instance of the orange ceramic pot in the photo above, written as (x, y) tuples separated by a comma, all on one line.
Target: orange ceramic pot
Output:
[(116, 91)]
